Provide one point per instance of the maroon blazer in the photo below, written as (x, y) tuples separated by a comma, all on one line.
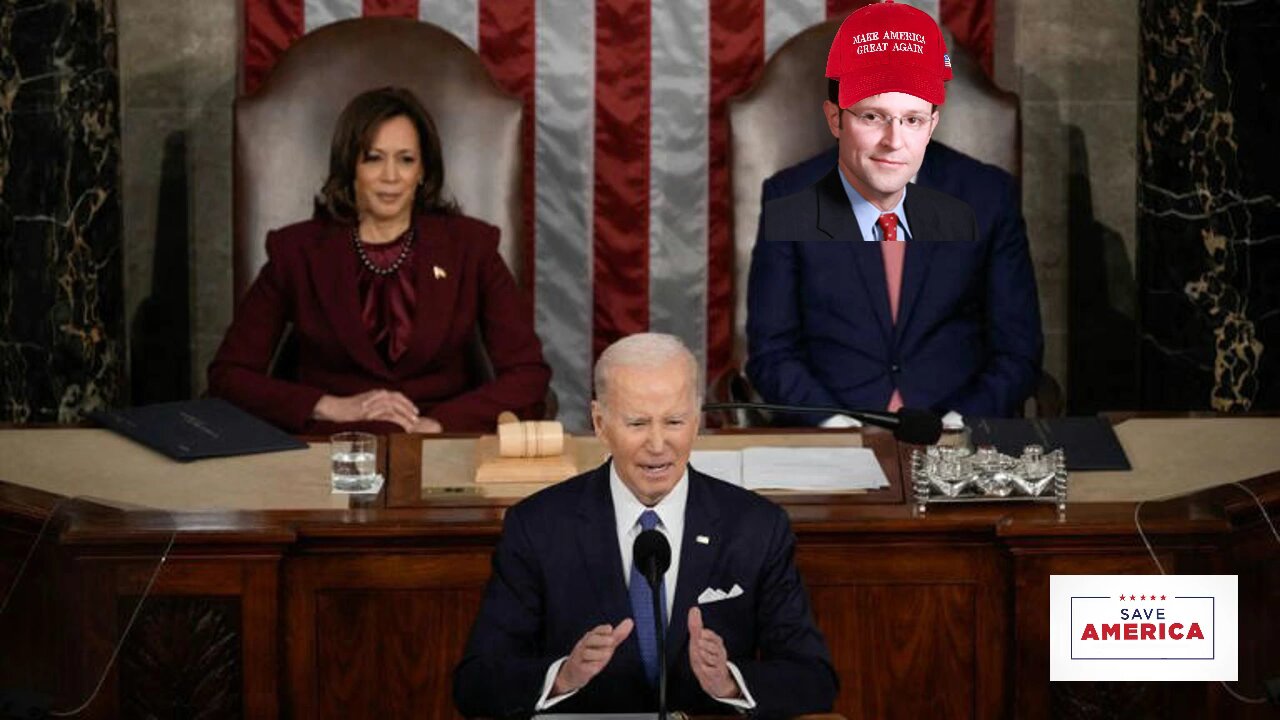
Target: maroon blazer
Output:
[(310, 281)]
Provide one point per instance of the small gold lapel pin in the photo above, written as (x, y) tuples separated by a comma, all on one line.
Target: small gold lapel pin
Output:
[(703, 540), (439, 272)]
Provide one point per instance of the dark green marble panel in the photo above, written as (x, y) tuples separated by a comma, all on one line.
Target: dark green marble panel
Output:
[(1209, 204), (60, 241)]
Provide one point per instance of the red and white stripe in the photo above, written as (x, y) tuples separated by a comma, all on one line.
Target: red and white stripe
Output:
[(627, 199)]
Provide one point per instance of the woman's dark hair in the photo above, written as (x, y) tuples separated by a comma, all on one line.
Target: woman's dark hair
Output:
[(353, 136)]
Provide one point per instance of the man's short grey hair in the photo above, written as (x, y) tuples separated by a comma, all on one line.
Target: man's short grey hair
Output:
[(645, 350)]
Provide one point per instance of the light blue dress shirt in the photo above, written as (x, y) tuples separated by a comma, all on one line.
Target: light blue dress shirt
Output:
[(868, 215)]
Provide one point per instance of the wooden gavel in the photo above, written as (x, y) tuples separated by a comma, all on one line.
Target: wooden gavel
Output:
[(536, 438)]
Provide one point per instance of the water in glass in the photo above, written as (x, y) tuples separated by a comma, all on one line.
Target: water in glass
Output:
[(354, 464)]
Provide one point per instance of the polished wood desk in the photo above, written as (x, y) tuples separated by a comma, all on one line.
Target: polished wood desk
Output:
[(333, 609)]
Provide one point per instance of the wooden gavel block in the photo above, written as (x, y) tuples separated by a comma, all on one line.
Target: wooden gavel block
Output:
[(537, 438)]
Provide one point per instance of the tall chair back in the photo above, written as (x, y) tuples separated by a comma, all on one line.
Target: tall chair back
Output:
[(283, 131)]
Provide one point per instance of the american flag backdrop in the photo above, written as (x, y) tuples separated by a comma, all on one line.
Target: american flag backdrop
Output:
[(626, 180)]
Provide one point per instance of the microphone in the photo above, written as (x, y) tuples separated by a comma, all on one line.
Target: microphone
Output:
[(651, 553), (909, 425)]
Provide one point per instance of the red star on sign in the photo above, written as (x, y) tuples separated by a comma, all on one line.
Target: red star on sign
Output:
[(1132, 597), (1144, 597), (1161, 597)]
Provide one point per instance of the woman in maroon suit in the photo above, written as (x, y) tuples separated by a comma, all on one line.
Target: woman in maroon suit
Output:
[(386, 288)]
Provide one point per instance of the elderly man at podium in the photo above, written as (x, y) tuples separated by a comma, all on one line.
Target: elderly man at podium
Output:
[(567, 620)]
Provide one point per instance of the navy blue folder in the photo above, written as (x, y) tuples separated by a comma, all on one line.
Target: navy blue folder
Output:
[(1090, 443), (195, 429)]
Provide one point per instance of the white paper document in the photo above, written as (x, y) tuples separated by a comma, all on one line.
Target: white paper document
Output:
[(815, 469), (811, 468), (723, 464)]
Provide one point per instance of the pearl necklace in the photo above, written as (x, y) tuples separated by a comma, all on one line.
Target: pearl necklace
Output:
[(391, 269)]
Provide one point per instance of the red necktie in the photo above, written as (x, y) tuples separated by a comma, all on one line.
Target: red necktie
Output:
[(893, 252)]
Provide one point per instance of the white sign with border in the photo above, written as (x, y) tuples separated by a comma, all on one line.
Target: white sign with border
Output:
[(1143, 627)]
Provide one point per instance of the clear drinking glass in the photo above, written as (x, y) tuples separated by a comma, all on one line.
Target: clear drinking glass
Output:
[(354, 461)]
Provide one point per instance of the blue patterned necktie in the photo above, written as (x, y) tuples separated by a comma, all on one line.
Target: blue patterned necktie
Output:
[(642, 608)]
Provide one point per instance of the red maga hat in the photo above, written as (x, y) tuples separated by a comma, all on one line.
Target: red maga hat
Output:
[(889, 47)]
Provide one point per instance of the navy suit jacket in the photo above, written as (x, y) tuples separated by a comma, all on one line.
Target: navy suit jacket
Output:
[(991, 193), (557, 573), (968, 335)]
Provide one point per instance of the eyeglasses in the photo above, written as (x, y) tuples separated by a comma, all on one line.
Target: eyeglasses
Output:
[(872, 120)]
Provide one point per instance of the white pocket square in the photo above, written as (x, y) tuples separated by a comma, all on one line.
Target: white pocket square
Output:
[(711, 594)]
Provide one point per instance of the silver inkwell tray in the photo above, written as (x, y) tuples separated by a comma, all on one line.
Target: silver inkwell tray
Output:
[(957, 472)]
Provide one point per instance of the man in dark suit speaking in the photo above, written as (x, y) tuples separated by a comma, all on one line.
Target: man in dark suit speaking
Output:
[(567, 622), (868, 292)]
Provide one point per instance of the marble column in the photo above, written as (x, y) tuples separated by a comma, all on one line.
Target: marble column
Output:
[(1209, 204), (60, 267)]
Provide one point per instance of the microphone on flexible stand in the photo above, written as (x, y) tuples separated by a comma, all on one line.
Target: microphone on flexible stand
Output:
[(918, 427), (651, 554)]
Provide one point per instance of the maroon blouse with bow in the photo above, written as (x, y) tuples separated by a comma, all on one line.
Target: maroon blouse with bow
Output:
[(387, 301)]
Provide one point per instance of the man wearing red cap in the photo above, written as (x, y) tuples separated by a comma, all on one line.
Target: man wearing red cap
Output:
[(869, 293)]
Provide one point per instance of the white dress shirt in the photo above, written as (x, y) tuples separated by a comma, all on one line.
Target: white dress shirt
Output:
[(627, 509)]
